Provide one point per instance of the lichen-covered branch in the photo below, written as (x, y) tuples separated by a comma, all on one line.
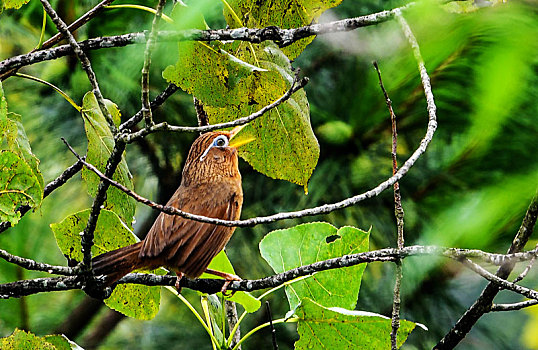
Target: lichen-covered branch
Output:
[(28, 287)]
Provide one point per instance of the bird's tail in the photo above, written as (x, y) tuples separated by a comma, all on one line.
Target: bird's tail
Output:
[(117, 263)]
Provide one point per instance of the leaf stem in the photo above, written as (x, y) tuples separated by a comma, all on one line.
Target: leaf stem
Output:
[(58, 90), (193, 310), (140, 7), (266, 324), (42, 36)]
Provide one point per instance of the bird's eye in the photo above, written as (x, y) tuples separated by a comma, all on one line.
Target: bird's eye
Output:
[(220, 141)]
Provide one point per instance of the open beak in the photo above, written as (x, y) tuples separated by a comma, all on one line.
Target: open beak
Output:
[(239, 142)]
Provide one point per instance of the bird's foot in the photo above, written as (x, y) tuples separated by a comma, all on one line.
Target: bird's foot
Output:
[(178, 281), (229, 278)]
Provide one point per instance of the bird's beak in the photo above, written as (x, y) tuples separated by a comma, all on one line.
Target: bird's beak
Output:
[(239, 142)]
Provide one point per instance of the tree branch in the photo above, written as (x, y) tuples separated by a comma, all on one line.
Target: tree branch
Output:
[(296, 85), (150, 44), (485, 301), (514, 306), (282, 37), (85, 62), (28, 287), (29, 264), (399, 214)]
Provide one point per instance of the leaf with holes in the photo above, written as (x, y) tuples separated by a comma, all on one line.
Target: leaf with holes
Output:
[(308, 243), (100, 145), (111, 233), (284, 145), (13, 4), (321, 327), (233, 81)]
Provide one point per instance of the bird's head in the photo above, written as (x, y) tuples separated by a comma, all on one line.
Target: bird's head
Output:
[(213, 157)]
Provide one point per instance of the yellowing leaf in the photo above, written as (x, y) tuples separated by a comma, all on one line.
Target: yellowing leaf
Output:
[(100, 145), (132, 300)]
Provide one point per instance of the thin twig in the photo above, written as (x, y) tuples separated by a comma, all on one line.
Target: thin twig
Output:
[(296, 85), (159, 100), (273, 331), (280, 36), (524, 273), (399, 214), (485, 301), (28, 287), (59, 36), (514, 306), (146, 109), (29, 264), (51, 186), (85, 62)]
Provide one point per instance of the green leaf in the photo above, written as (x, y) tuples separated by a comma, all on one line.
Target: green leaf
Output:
[(223, 264), (320, 327), (100, 145), (22, 340), (285, 146), (283, 14), (21, 182), (14, 4), (235, 80), (308, 243), (335, 132), (61, 342), (111, 233), (18, 186)]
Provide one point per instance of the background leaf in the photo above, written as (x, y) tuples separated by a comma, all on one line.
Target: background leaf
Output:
[(223, 264), (132, 300), (100, 145), (307, 243), (320, 327), (22, 340)]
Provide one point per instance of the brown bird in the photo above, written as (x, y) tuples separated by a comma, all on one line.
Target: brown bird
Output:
[(210, 186)]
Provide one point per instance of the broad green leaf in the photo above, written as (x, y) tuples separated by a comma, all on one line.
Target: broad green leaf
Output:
[(285, 146), (61, 342), (14, 4), (132, 300), (235, 80), (100, 145), (223, 264), (22, 340), (308, 243), (21, 182), (283, 14), (320, 327), (18, 186)]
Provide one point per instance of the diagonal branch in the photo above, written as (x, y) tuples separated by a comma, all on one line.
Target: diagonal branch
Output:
[(485, 301), (85, 62), (296, 85)]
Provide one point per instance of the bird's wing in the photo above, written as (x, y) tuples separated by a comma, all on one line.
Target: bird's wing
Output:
[(190, 245)]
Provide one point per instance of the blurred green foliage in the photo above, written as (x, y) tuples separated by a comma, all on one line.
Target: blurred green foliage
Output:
[(469, 190)]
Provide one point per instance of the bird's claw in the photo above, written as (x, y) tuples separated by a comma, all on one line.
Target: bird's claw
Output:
[(178, 281), (227, 282)]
